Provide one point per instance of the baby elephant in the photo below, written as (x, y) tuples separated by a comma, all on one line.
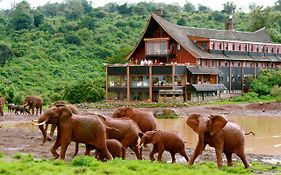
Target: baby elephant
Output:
[(170, 141), (21, 109), (113, 146)]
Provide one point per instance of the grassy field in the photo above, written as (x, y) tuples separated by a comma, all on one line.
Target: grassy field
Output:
[(25, 165)]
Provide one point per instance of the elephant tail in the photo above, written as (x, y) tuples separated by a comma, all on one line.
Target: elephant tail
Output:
[(250, 133)]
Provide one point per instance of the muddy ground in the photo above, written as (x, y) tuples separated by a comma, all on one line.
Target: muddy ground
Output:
[(18, 135)]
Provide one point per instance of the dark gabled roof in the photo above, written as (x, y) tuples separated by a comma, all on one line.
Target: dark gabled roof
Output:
[(203, 70), (208, 87), (181, 35)]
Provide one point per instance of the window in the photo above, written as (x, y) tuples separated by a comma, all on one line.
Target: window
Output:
[(212, 45), (239, 64), (246, 47), (213, 63), (226, 46), (219, 62), (233, 46), (220, 46), (156, 47)]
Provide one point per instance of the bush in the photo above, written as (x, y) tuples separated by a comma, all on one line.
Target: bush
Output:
[(85, 91), (247, 97)]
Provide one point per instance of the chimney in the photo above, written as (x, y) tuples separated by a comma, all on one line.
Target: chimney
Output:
[(229, 23)]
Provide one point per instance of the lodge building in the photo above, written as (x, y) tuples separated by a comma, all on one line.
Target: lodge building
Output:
[(180, 63)]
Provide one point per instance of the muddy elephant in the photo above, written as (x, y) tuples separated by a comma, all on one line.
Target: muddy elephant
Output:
[(225, 136), (145, 120), (170, 141), (71, 107), (113, 146), (82, 129), (2, 102), (33, 102)]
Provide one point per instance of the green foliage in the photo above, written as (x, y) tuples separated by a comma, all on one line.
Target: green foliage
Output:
[(5, 54), (263, 84), (85, 90), (181, 22), (189, 7), (247, 97), (229, 7), (22, 17)]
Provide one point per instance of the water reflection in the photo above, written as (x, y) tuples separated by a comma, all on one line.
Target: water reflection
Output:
[(267, 129)]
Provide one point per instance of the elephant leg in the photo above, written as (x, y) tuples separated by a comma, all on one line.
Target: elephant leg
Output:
[(173, 157), (56, 145), (106, 153), (123, 153), (219, 157), (243, 158), (195, 154), (53, 127), (76, 149), (153, 151), (160, 152), (183, 153), (136, 150), (64, 144), (228, 158)]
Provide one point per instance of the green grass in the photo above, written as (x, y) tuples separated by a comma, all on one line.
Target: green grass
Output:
[(25, 165)]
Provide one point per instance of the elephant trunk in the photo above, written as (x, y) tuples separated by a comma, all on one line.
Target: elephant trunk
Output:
[(201, 133), (40, 123)]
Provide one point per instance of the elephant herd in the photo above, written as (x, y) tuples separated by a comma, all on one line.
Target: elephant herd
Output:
[(30, 103), (134, 128)]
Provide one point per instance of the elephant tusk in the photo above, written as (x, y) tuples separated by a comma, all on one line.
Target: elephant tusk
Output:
[(35, 120), (38, 124), (141, 145)]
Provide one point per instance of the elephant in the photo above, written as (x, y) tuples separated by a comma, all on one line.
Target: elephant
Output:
[(82, 129), (164, 140), (33, 102), (22, 109), (145, 120), (11, 107), (2, 102), (113, 146), (71, 107), (215, 130), (126, 132)]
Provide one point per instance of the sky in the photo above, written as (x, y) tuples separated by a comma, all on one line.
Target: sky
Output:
[(213, 4)]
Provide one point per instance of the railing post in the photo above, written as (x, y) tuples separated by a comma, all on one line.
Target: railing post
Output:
[(150, 82), (128, 84)]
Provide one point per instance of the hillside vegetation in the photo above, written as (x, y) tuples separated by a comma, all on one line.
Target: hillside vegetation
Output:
[(59, 50)]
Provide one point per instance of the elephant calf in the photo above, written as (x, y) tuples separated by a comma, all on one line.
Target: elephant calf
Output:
[(164, 140), (113, 146)]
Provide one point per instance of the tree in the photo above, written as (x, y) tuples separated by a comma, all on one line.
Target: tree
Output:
[(189, 7), (181, 22), (5, 54), (278, 5), (229, 7), (125, 9), (22, 17), (203, 8), (38, 18), (74, 9)]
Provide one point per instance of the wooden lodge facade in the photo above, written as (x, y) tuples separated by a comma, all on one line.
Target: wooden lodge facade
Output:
[(182, 63)]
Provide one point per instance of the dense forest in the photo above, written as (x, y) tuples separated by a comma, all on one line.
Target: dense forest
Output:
[(59, 50)]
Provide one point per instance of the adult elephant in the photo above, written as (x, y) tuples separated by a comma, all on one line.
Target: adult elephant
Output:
[(71, 107), (225, 136), (82, 129), (33, 102), (145, 120), (125, 130), (2, 102), (164, 140)]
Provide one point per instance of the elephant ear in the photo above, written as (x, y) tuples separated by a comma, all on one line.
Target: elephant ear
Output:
[(156, 136), (193, 122), (218, 122), (128, 112)]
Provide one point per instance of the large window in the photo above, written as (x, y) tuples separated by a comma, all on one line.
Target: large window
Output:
[(156, 47)]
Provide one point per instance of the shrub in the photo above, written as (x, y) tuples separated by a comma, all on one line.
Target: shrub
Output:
[(247, 97)]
